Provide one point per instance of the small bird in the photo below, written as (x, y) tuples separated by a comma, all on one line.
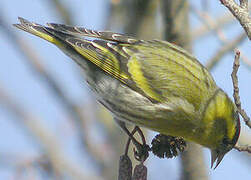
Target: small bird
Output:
[(149, 83)]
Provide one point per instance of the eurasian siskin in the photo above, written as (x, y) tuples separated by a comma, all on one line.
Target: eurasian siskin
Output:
[(154, 84)]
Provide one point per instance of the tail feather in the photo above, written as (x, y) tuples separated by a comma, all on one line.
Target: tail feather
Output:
[(106, 51), (44, 32), (66, 38), (105, 35), (28, 26), (37, 30)]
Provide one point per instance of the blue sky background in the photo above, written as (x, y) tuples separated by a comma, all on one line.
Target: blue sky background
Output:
[(29, 91)]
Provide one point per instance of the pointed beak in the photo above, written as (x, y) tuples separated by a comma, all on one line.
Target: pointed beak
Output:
[(216, 156)]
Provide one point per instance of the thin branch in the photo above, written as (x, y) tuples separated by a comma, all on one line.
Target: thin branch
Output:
[(220, 22), (244, 4), (242, 112), (244, 141), (243, 148), (240, 12), (244, 144), (210, 25)]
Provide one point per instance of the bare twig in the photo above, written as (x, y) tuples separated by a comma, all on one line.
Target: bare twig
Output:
[(240, 12), (243, 148), (244, 140), (244, 4), (220, 22), (210, 25), (242, 112)]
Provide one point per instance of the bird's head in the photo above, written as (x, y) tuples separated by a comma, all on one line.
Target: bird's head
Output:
[(223, 126), (225, 146)]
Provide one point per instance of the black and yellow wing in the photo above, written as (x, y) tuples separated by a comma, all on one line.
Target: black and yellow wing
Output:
[(156, 69)]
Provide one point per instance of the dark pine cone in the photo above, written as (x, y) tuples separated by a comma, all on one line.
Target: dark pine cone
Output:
[(167, 146)]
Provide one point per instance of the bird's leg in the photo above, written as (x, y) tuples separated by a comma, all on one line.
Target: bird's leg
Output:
[(141, 154)]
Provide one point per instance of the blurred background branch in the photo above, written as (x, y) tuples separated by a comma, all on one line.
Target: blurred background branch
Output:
[(34, 61), (62, 10), (60, 165)]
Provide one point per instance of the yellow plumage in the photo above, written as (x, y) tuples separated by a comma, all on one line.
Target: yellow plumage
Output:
[(154, 84)]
